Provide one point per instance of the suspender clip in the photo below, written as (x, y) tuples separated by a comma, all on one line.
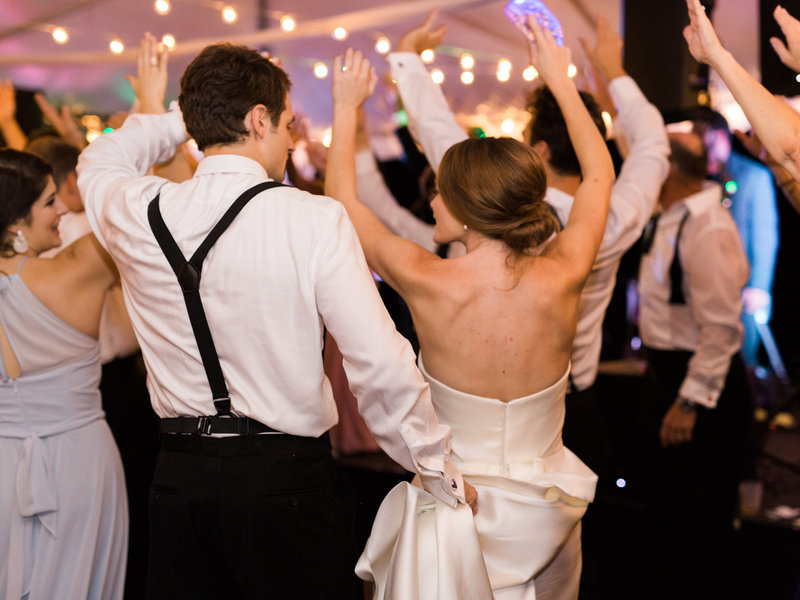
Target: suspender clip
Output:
[(204, 425)]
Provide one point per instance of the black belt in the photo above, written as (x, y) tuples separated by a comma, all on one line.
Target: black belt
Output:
[(215, 424)]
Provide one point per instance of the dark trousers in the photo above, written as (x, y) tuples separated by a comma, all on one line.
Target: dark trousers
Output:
[(691, 489), (585, 433), (263, 516)]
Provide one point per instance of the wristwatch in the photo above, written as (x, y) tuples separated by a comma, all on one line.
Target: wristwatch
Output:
[(686, 405)]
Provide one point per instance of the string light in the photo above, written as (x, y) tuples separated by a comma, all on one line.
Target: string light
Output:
[(288, 23), (507, 126), (467, 77), (382, 46), (438, 76), (467, 62), (229, 14), (169, 41), (504, 65), (530, 73), (60, 35), (503, 75), (572, 70), (320, 70), (340, 33), (162, 7), (116, 46), (427, 56), (327, 137)]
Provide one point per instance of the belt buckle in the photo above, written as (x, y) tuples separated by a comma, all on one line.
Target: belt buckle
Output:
[(204, 425)]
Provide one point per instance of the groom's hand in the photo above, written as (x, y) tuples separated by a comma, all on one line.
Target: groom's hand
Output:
[(471, 496)]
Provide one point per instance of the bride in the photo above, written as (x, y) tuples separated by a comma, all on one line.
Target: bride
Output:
[(495, 330)]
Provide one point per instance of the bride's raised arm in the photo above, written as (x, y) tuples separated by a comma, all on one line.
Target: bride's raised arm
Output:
[(395, 259), (576, 246)]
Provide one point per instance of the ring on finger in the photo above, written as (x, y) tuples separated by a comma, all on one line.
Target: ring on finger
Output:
[(345, 68)]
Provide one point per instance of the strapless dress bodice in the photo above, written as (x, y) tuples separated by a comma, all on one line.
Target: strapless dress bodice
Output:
[(519, 439)]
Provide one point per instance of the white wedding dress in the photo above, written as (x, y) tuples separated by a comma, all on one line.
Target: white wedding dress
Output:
[(524, 543)]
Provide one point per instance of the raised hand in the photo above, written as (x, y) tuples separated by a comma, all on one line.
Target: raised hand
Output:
[(790, 56), (150, 82), (62, 122), (548, 58), (422, 36), (354, 79), (704, 45), (8, 101), (606, 55)]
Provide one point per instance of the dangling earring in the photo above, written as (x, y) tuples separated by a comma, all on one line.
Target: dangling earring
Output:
[(465, 227), (20, 244)]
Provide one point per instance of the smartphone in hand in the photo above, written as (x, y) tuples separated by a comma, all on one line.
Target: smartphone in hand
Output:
[(516, 10)]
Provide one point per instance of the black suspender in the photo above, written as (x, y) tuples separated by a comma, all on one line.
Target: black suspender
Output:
[(676, 295), (188, 273)]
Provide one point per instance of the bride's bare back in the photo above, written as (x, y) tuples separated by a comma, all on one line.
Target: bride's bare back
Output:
[(492, 330)]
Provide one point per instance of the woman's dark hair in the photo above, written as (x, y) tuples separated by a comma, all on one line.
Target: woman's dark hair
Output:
[(547, 124), (221, 85), (496, 186), (23, 178)]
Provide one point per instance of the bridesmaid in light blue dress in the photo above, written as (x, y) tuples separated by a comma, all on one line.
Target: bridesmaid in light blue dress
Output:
[(63, 508)]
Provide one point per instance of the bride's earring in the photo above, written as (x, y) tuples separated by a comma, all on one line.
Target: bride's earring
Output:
[(20, 244)]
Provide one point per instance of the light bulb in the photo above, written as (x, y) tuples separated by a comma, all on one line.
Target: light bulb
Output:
[(529, 74), (340, 33), (229, 14), (116, 46), (168, 40), (467, 77), (427, 56), (504, 65), (382, 46), (162, 7), (467, 62), (437, 75), (60, 35), (288, 23), (320, 70)]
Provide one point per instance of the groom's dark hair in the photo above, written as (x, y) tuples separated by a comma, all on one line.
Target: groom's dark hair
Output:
[(221, 85)]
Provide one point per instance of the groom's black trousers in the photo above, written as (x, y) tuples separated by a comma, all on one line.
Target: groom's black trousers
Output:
[(258, 516)]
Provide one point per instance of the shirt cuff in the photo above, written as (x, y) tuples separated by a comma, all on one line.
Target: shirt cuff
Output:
[(447, 486), (699, 393), (622, 89), (406, 62)]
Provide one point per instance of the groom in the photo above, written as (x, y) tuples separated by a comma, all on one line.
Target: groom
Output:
[(248, 502)]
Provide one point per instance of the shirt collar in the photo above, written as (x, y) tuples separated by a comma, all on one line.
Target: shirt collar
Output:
[(698, 203), (230, 163)]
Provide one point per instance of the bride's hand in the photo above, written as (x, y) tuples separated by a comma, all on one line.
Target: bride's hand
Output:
[(471, 497), (353, 79), (548, 58)]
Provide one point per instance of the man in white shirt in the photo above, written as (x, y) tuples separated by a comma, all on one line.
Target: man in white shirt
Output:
[(251, 515), (697, 403)]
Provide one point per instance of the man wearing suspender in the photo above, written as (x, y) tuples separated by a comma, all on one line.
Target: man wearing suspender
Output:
[(696, 404), (231, 280)]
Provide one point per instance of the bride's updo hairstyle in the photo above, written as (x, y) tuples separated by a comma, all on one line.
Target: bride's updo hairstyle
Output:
[(23, 178), (496, 186)]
